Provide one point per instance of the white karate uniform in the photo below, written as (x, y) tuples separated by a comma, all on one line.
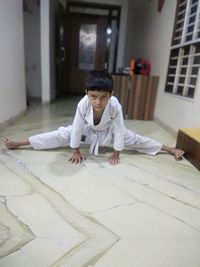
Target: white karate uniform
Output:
[(110, 130)]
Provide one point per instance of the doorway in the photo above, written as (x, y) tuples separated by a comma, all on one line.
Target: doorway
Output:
[(89, 41)]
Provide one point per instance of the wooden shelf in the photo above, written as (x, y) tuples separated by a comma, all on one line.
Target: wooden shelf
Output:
[(189, 140), (137, 95)]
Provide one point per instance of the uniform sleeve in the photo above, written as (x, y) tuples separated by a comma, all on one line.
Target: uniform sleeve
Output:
[(77, 128), (118, 123)]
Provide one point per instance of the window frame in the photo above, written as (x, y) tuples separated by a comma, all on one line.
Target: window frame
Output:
[(184, 60)]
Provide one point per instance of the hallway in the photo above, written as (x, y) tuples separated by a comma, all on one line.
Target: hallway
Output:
[(143, 212)]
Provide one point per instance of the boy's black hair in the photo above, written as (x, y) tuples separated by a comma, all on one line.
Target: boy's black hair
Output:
[(99, 80)]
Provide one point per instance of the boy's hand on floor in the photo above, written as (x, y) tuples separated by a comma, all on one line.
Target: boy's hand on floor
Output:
[(76, 157), (114, 158)]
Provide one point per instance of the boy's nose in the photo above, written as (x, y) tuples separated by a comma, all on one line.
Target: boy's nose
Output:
[(98, 100)]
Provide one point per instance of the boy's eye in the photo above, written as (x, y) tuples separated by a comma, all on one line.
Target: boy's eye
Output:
[(93, 97), (105, 97)]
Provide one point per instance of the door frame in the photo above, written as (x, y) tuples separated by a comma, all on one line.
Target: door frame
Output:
[(113, 15), (75, 8)]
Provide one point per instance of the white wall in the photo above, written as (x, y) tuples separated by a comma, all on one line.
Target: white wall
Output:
[(47, 50), (52, 50), (152, 42), (123, 24), (12, 75), (39, 50), (136, 25), (32, 50)]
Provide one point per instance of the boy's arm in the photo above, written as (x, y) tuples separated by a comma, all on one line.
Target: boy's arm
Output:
[(118, 123), (77, 127), (118, 144), (76, 134)]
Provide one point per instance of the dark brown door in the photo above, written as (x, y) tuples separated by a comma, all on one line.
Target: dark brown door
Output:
[(86, 49)]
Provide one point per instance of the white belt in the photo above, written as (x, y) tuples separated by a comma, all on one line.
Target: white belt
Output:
[(94, 147)]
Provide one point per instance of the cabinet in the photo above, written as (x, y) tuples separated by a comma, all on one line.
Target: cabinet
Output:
[(188, 139), (137, 95)]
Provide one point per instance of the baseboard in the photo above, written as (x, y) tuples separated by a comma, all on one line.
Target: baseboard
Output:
[(11, 120)]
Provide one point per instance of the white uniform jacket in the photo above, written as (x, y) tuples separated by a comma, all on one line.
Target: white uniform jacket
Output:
[(110, 127)]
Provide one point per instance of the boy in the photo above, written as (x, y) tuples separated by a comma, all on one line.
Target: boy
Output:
[(98, 121)]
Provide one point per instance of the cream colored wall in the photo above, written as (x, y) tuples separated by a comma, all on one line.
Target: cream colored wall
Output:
[(153, 40), (12, 75)]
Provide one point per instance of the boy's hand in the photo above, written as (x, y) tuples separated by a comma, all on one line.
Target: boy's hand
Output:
[(76, 157), (114, 158)]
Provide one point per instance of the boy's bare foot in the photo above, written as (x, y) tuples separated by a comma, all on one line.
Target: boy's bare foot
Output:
[(10, 144), (178, 153)]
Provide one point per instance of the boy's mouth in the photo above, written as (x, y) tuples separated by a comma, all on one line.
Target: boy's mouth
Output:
[(98, 107)]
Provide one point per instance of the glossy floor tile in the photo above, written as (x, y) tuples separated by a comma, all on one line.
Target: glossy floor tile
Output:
[(143, 212)]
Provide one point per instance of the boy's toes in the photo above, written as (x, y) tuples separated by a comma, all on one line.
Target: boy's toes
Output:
[(4, 140), (179, 154), (8, 143)]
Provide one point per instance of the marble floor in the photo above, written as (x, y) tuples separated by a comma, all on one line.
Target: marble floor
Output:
[(143, 212)]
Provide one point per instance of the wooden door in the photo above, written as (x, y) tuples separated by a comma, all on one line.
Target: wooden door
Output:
[(86, 49)]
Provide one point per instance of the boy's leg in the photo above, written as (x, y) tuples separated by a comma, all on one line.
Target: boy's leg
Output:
[(141, 143), (147, 145), (49, 140)]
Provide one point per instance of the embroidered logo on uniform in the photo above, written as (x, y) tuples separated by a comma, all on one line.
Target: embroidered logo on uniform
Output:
[(83, 137)]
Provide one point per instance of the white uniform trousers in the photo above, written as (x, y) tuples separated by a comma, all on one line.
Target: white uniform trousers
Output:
[(61, 138)]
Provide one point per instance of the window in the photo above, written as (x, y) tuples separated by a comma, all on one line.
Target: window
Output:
[(184, 59)]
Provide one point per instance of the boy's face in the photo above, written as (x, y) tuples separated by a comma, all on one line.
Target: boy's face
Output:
[(98, 99)]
